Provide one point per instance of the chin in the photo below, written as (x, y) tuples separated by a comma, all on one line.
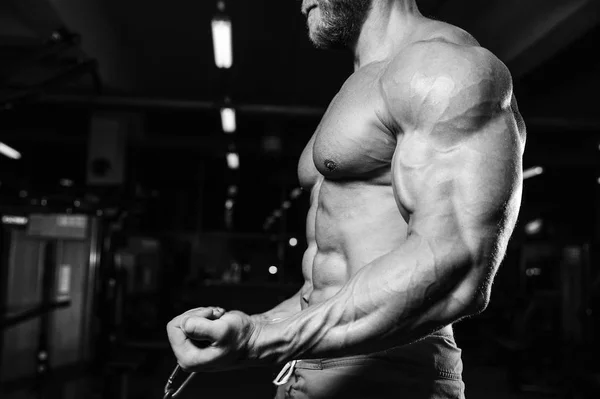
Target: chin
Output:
[(314, 38), (322, 41), (318, 37), (327, 36), (315, 30), (317, 41)]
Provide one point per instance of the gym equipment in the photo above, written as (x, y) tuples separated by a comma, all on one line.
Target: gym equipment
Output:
[(170, 391), (547, 326), (48, 274)]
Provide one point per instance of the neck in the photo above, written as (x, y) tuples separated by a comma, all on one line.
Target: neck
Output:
[(389, 26)]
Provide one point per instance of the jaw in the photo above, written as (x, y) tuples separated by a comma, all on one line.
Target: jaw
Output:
[(317, 30), (336, 24), (313, 19)]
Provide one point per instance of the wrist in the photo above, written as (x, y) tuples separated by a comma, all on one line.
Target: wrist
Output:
[(253, 354), (270, 343)]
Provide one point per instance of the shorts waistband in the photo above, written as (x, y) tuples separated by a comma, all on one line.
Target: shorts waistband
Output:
[(444, 361)]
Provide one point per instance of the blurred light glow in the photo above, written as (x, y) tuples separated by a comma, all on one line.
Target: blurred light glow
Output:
[(286, 205), (221, 32), (296, 193), (229, 204), (233, 160), (534, 227), (14, 220), (232, 190), (66, 182), (9, 151), (228, 120), (273, 270), (23, 194), (532, 172), (293, 242), (278, 213), (535, 271)]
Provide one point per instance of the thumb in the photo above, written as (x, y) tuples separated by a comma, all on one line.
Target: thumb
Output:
[(202, 329)]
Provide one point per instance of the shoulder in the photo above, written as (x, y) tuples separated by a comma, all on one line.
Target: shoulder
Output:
[(434, 72)]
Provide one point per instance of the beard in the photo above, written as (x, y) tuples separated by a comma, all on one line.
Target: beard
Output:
[(340, 23)]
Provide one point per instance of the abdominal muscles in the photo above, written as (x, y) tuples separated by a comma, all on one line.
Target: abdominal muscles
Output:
[(349, 225)]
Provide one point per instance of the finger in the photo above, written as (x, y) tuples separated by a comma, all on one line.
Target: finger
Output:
[(198, 312), (174, 331), (192, 359), (205, 313), (202, 329), (211, 312)]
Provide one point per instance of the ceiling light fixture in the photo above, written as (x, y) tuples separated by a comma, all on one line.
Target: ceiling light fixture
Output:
[(221, 32), (228, 120), (9, 151), (532, 172), (233, 160)]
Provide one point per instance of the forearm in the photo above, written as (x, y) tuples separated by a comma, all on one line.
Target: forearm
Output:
[(396, 299), (285, 309)]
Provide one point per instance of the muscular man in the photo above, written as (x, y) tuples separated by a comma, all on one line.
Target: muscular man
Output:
[(415, 175)]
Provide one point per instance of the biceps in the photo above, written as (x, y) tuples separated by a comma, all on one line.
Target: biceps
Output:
[(467, 196)]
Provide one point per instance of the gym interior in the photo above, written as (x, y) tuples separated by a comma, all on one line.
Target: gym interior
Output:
[(149, 166)]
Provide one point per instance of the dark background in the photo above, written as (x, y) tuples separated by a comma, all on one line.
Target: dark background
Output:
[(65, 65)]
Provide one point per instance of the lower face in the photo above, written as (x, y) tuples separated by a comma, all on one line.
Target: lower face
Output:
[(336, 23), (313, 18)]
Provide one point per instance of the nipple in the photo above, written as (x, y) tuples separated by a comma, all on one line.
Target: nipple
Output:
[(330, 165)]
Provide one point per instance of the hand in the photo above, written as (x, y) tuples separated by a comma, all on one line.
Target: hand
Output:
[(208, 339)]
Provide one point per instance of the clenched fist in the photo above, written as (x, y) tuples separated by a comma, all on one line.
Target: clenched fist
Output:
[(210, 339)]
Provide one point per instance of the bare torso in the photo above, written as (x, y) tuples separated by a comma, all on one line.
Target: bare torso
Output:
[(415, 180), (354, 216)]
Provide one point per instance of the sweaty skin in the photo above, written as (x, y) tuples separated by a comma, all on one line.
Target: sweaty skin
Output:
[(415, 180), (407, 231)]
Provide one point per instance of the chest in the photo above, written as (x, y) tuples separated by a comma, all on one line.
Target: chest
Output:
[(352, 139)]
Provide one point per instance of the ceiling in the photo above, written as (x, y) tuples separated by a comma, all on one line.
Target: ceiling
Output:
[(155, 59)]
